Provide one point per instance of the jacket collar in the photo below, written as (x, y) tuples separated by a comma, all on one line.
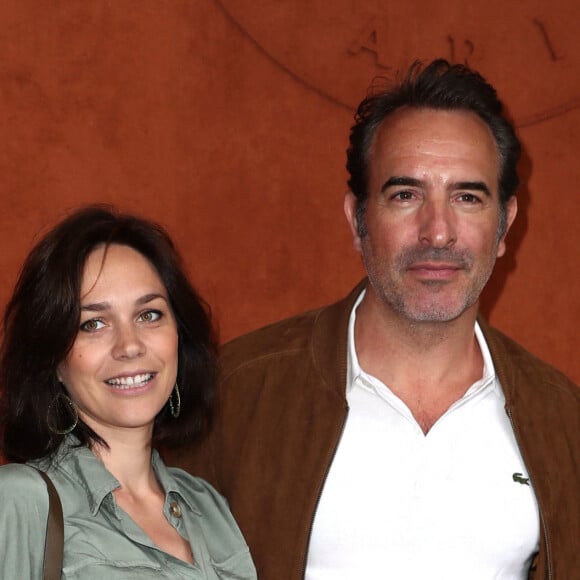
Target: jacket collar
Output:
[(505, 370), (332, 362)]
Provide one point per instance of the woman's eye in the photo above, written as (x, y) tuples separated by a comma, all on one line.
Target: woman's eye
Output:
[(150, 316), (92, 325)]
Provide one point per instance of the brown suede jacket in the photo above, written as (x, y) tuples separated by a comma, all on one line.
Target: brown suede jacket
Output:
[(282, 413)]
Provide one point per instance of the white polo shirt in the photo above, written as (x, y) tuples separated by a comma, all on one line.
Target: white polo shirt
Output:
[(455, 504)]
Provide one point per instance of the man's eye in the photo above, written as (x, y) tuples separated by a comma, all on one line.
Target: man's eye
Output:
[(468, 198), (150, 316), (403, 195), (92, 325)]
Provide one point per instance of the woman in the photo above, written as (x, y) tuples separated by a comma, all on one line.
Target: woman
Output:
[(108, 354)]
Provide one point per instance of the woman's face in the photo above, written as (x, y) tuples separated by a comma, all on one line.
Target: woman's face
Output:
[(122, 367)]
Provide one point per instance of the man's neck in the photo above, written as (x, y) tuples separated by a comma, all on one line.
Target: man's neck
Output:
[(428, 366)]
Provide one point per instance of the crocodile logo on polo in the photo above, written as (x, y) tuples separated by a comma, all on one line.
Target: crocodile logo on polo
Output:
[(519, 478)]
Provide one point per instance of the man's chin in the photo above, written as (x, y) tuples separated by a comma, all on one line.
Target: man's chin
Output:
[(433, 313)]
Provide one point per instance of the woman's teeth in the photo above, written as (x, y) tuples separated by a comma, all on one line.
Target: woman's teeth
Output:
[(128, 382)]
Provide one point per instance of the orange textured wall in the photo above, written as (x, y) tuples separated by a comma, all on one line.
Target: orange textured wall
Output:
[(227, 121)]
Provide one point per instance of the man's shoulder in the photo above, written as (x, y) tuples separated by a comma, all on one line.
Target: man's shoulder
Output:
[(280, 339), (314, 333), (513, 363)]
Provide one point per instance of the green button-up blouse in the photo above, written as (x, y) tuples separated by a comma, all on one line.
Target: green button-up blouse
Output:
[(101, 540)]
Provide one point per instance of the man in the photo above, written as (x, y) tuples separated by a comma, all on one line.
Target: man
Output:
[(394, 434)]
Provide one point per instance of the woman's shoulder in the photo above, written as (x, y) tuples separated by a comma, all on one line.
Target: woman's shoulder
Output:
[(24, 501), (23, 493), (23, 496), (22, 480)]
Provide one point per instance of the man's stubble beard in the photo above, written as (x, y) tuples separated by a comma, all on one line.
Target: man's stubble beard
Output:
[(408, 301)]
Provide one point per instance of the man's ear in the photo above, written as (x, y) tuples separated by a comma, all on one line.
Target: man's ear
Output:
[(511, 210), (350, 212)]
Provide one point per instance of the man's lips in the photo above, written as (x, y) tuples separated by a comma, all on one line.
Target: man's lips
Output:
[(435, 266), (435, 271)]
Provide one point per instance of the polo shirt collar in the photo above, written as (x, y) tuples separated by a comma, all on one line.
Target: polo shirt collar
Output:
[(354, 370)]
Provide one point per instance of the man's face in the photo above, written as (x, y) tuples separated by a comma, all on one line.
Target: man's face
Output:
[(432, 215)]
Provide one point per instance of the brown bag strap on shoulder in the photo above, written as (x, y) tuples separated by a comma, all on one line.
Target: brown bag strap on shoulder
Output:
[(54, 545)]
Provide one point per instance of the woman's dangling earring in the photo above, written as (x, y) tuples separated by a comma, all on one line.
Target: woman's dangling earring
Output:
[(175, 408), (61, 405)]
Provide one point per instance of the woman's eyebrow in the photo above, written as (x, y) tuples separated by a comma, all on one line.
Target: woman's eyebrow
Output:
[(95, 307), (150, 297), (102, 306)]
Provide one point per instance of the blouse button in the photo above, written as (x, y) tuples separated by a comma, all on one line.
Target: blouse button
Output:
[(174, 509)]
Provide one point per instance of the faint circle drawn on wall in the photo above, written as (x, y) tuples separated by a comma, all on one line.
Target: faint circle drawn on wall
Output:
[(528, 50)]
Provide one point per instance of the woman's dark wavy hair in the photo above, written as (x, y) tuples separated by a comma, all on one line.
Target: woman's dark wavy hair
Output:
[(41, 322), (439, 85)]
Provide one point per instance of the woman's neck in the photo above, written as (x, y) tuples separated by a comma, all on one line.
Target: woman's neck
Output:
[(128, 459)]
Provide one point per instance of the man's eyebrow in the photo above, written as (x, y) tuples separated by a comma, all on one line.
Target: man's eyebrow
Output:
[(401, 180), (412, 182), (473, 186)]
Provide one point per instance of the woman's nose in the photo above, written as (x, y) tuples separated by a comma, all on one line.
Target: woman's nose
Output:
[(128, 343)]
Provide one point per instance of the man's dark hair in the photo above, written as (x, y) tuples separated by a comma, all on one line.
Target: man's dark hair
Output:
[(41, 322), (439, 85)]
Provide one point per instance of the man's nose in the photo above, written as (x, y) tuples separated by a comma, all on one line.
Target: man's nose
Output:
[(437, 227)]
